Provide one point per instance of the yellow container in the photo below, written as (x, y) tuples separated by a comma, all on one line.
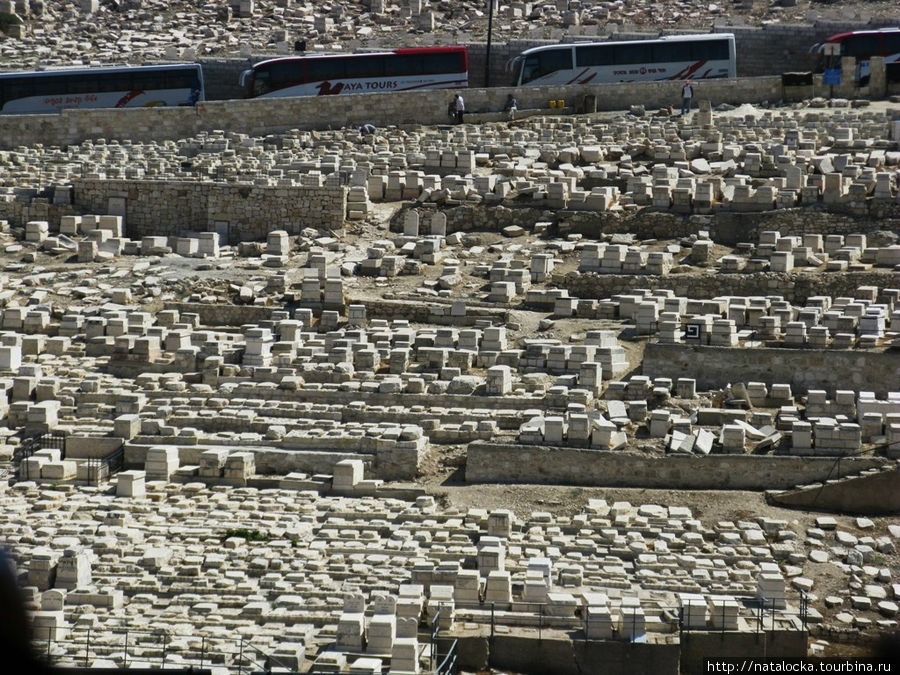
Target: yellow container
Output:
[(552, 104), (560, 104)]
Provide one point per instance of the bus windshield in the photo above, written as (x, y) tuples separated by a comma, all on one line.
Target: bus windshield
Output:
[(546, 62)]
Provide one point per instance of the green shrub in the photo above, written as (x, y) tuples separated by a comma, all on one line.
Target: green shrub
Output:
[(244, 533)]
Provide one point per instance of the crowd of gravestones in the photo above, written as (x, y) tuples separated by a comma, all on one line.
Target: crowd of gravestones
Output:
[(269, 395), (164, 572), (273, 402)]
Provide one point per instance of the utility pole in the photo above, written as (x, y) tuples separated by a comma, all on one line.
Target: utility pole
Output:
[(487, 57)]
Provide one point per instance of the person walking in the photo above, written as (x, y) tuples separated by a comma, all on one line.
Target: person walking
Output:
[(687, 93), (459, 106)]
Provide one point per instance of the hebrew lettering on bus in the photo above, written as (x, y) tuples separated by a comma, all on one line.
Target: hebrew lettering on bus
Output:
[(640, 71)]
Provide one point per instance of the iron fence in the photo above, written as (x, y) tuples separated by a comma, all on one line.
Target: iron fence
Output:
[(31, 445), (759, 615), (112, 463), (160, 648)]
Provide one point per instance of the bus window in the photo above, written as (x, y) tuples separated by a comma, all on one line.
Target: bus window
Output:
[(890, 43), (261, 83), (405, 64), (148, 80), (636, 53), (546, 62), (447, 62), (365, 66), (282, 74), (709, 50), (601, 55), (53, 85), (860, 46), (19, 88), (530, 68), (670, 52), (325, 69), (181, 79), (103, 82)]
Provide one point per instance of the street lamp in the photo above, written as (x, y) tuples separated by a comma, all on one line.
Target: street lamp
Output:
[(487, 58)]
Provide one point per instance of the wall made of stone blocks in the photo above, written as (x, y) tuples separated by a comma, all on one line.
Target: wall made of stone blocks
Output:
[(165, 208), (387, 465), (274, 115), (795, 287), (567, 656), (724, 227), (221, 314), (495, 463), (869, 494), (803, 369), (698, 646), (221, 76)]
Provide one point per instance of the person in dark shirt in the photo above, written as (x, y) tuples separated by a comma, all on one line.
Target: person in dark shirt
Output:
[(687, 93), (511, 106)]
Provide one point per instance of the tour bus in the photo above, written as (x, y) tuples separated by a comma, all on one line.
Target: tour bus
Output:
[(49, 91), (397, 70), (673, 57), (863, 45)]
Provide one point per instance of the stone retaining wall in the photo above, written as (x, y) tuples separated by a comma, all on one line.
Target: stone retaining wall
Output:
[(264, 116), (795, 287), (724, 227), (386, 464), (803, 369), (732, 227), (223, 314), (495, 463), (156, 207), (876, 493)]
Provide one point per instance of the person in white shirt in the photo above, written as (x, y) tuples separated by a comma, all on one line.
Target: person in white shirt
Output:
[(460, 107), (687, 93)]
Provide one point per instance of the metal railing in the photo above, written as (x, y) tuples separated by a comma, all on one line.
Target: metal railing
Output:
[(155, 647), (757, 613), (31, 445), (241, 656), (113, 462), (447, 665)]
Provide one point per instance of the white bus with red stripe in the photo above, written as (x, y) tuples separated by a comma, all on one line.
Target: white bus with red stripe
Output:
[(674, 57), (50, 91), (365, 73)]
